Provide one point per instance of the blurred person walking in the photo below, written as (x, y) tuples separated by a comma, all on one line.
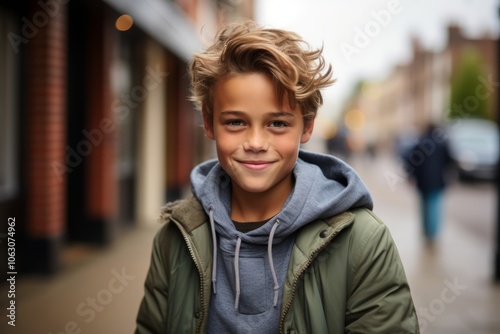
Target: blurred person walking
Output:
[(428, 161)]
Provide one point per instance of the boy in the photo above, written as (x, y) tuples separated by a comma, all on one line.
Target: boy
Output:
[(275, 239)]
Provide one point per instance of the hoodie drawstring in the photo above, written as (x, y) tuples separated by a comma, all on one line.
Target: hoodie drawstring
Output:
[(271, 263), (237, 259), (214, 257), (237, 273)]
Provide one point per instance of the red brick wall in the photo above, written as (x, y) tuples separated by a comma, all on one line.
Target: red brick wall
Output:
[(100, 172), (46, 124)]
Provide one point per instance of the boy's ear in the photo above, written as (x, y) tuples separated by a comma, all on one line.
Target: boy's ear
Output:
[(208, 125), (308, 129)]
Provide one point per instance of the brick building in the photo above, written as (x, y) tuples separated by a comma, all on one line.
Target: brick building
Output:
[(96, 128), (419, 91)]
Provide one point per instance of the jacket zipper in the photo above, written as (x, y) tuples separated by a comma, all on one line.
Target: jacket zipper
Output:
[(299, 275), (200, 272)]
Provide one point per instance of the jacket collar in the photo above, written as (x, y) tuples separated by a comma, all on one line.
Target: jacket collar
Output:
[(316, 235), (188, 213), (313, 237)]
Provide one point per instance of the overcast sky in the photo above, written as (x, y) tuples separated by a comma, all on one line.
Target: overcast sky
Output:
[(366, 38)]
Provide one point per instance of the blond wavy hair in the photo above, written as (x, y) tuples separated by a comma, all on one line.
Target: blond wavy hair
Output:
[(298, 72)]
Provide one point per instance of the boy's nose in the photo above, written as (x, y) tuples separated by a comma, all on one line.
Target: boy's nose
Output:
[(256, 141)]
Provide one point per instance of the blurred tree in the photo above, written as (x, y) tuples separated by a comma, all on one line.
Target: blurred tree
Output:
[(465, 101)]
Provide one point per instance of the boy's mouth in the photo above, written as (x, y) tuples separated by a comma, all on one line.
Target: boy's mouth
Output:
[(255, 165)]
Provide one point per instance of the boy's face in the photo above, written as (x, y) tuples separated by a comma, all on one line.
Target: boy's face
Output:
[(257, 138)]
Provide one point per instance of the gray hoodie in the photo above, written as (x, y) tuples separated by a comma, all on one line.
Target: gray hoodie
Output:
[(249, 268)]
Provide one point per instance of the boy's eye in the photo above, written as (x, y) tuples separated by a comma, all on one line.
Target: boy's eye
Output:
[(235, 123), (278, 124)]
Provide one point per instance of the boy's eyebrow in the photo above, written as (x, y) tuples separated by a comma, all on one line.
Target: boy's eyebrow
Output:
[(282, 114), (232, 113), (272, 114)]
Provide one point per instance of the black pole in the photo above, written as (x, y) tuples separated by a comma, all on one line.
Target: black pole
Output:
[(497, 255)]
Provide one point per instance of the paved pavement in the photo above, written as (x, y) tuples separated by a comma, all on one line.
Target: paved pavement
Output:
[(98, 293), (100, 289)]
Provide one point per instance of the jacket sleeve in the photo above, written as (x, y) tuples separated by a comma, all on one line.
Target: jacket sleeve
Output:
[(153, 308), (379, 299)]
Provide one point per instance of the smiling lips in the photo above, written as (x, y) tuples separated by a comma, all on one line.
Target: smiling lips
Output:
[(256, 165)]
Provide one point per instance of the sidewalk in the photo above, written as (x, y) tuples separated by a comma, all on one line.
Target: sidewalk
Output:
[(451, 283), (99, 294)]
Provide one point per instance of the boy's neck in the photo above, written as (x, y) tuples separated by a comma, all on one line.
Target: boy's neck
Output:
[(254, 207)]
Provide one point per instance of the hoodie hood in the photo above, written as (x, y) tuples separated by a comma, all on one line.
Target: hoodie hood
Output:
[(243, 263), (324, 186)]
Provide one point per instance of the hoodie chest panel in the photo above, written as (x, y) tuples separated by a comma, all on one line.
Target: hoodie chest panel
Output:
[(256, 283), (256, 312)]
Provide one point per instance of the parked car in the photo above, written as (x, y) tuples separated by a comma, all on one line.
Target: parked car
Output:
[(474, 148)]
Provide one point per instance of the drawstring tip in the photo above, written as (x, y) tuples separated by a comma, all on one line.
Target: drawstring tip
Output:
[(237, 301), (214, 287), (276, 291)]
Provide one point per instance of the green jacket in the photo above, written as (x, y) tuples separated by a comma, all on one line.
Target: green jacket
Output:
[(344, 276)]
